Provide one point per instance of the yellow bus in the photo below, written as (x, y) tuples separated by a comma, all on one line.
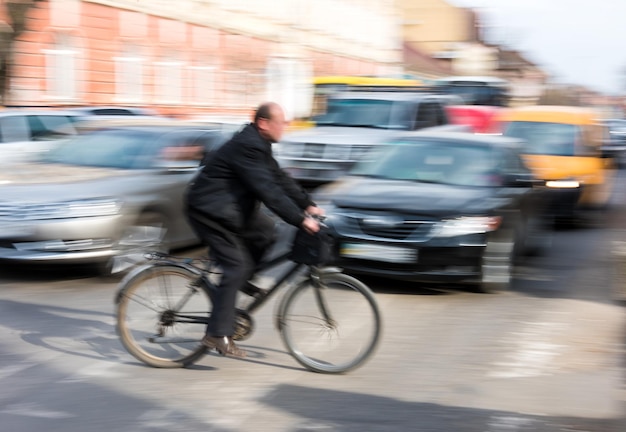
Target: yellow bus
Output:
[(326, 85)]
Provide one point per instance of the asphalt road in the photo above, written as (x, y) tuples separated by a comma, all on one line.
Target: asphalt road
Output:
[(546, 356)]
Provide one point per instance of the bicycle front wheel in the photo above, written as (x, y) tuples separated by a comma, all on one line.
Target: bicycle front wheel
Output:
[(331, 327), (162, 313)]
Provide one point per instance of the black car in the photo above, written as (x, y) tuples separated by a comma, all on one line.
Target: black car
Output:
[(438, 207)]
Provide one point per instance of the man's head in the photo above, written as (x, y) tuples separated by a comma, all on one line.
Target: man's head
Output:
[(270, 120)]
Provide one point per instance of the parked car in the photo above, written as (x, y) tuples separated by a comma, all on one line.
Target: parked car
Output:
[(438, 207), (89, 112), (93, 195), (563, 145), (615, 145), (228, 125), (26, 134)]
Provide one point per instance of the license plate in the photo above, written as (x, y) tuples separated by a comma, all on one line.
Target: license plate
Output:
[(374, 252)]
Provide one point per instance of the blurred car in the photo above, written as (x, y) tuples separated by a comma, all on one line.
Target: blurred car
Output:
[(563, 145), (353, 124), (227, 125), (25, 134), (615, 146), (437, 207), (90, 197), (103, 112)]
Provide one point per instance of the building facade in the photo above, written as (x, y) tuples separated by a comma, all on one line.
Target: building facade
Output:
[(198, 56), (452, 37)]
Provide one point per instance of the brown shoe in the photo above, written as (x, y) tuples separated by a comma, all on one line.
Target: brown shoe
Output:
[(223, 345)]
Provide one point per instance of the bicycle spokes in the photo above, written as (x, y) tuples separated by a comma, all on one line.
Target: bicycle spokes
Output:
[(162, 316), (330, 327)]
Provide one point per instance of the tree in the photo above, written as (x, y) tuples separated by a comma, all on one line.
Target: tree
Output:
[(16, 11)]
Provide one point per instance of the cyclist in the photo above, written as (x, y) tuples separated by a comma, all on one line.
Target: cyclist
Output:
[(223, 208)]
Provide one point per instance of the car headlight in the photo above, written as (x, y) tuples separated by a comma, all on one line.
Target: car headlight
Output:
[(80, 208), (93, 208), (468, 225), (563, 184)]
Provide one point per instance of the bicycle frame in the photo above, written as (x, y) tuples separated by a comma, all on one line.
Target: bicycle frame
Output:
[(202, 282)]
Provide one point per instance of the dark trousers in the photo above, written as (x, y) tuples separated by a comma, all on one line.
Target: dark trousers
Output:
[(237, 255)]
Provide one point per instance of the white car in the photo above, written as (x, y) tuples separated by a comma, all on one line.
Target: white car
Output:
[(26, 134)]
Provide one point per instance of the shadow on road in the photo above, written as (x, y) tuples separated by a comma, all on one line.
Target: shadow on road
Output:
[(38, 397), (78, 332), (91, 334), (322, 409)]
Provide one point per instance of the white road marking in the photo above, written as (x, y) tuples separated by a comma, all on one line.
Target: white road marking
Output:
[(34, 410), (97, 370), (507, 423), (10, 370), (161, 419), (532, 354)]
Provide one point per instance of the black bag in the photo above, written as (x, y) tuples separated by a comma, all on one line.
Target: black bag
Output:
[(313, 249)]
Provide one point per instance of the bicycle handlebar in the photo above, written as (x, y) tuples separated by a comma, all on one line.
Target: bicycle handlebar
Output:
[(320, 219)]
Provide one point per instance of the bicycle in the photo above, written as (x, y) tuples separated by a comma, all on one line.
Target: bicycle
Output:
[(329, 321)]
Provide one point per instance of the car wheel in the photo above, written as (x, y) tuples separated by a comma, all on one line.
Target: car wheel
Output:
[(496, 270), (148, 233)]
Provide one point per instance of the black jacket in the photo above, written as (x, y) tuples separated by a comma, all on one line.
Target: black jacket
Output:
[(240, 175)]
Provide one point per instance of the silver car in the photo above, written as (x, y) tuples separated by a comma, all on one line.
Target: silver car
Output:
[(94, 194), (354, 124)]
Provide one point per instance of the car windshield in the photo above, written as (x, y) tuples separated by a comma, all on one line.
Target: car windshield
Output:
[(476, 94), (430, 162), (373, 113), (544, 138), (116, 148)]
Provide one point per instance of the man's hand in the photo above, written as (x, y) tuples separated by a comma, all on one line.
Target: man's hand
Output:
[(314, 211), (310, 225)]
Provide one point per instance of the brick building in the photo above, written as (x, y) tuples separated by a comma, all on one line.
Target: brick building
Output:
[(197, 56)]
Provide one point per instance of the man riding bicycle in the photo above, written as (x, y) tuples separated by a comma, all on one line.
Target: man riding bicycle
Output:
[(223, 208)]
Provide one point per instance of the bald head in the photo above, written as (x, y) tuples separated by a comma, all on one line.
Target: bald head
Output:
[(270, 121)]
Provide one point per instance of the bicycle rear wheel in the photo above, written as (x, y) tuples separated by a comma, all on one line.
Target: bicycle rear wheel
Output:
[(162, 312), (332, 327)]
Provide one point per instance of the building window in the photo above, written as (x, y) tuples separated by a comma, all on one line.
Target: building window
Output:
[(202, 85), (129, 76), (168, 80), (288, 81), (236, 88), (61, 69)]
